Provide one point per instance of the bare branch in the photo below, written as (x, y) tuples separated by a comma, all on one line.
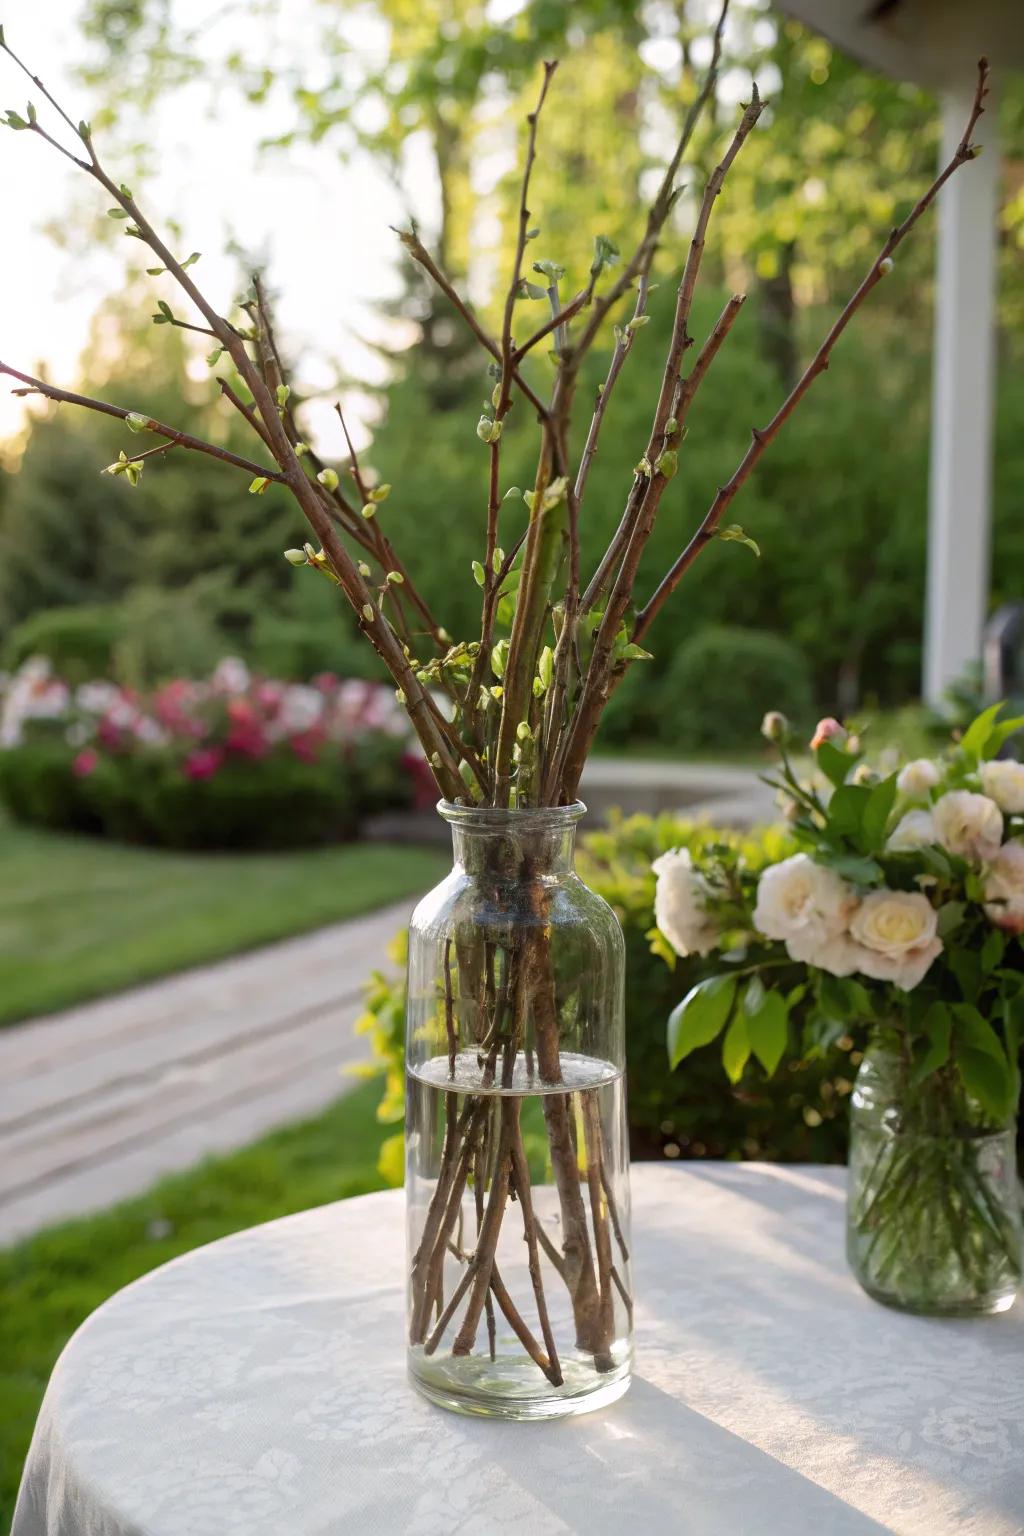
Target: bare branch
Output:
[(760, 438), (419, 253), (181, 439), (562, 317), (639, 263), (651, 483)]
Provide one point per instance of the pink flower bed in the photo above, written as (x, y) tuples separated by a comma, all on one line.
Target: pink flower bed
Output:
[(228, 735)]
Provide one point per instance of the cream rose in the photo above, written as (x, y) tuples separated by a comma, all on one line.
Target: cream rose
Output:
[(1003, 781), (917, 778), (968, 824), (680, 909), (838, 955), (1004, 888), (897, 937), (798, 899), (915, 830)]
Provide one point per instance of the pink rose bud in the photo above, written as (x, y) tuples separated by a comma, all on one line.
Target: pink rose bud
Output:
[(828, 729)]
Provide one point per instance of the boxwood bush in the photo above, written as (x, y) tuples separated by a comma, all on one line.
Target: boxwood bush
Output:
[(720, 683)]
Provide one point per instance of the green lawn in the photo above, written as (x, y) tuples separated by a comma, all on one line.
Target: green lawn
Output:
[(51, 1282), (80, 917)]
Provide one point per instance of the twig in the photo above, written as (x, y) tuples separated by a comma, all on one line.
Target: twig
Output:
[(449, 1009), (623, 345), (761, 437), (602, 1241), (639, 263), (482, 1266), (180, 439), (651, 485), (419, 253), (559, 318), (521, 1179)]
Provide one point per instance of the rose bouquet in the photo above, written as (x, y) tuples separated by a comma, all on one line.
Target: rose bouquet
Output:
[(894, 920)]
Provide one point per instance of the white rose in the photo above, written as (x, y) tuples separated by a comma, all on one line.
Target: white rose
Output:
[(838, 955), (1004, 888), (967, 824), (915, 830), (798, 899), (679, 905), (896, 933), (917, 778), (1003, 780)]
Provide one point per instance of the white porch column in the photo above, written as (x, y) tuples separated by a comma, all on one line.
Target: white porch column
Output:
[(960, 490)]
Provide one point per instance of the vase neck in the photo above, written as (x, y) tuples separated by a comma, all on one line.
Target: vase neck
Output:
[(513, 845)]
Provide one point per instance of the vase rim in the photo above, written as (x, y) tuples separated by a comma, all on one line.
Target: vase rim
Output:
[(496, 818)]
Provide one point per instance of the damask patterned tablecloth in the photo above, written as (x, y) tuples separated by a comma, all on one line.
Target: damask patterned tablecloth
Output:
[(257, 1388)]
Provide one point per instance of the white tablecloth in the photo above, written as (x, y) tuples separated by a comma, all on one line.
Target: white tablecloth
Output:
[(257, 1388)]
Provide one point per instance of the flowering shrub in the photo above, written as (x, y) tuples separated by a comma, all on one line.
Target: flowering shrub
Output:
[(235, 760), (900, 906)]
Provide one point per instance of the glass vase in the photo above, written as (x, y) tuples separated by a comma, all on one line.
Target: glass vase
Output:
[(517, 1161), (934, 1202)]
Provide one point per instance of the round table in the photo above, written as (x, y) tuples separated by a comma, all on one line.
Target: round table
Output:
[(257, 1387)]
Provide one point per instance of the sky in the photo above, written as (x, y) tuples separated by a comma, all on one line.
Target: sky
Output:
[(323, 226)]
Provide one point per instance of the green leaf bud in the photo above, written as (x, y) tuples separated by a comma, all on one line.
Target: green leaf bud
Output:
[(488, 431), (259, 485), (368, 612), (328, 478), (734, 534), (295, 556)]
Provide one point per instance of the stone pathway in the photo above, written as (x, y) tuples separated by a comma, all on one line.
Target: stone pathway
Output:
[(100, 1101)]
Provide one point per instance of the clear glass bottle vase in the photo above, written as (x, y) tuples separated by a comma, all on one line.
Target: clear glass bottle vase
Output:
[(934, 1201), (517, 1161)]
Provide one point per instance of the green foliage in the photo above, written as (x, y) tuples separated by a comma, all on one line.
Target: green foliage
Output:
[(795, 1115), (38, 787), (191, 555), (279, 801), (721, 682), (171, 632), (79, 641)]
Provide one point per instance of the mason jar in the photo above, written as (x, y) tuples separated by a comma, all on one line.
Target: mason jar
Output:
[(934, 1202)]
